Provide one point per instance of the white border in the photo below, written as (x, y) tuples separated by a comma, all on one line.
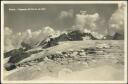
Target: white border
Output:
[(62, 2), (125, 44)]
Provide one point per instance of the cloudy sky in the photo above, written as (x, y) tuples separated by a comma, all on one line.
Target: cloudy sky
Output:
[(36, 20), (55, 16)]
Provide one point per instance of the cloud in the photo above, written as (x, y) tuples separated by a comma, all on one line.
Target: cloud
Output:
[(8, 45), (87, 21), (90, 23), (116, 22), (66, 14), (11, 39)]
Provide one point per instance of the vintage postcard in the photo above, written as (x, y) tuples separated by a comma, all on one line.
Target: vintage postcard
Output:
[(64, 42)]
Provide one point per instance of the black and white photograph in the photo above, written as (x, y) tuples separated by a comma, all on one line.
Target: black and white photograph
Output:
[(64, 42)]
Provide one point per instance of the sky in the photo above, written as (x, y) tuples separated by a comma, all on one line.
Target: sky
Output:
[(31, 22), (22, 20)]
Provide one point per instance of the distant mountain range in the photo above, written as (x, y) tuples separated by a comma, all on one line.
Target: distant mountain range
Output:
[(76, 36)]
